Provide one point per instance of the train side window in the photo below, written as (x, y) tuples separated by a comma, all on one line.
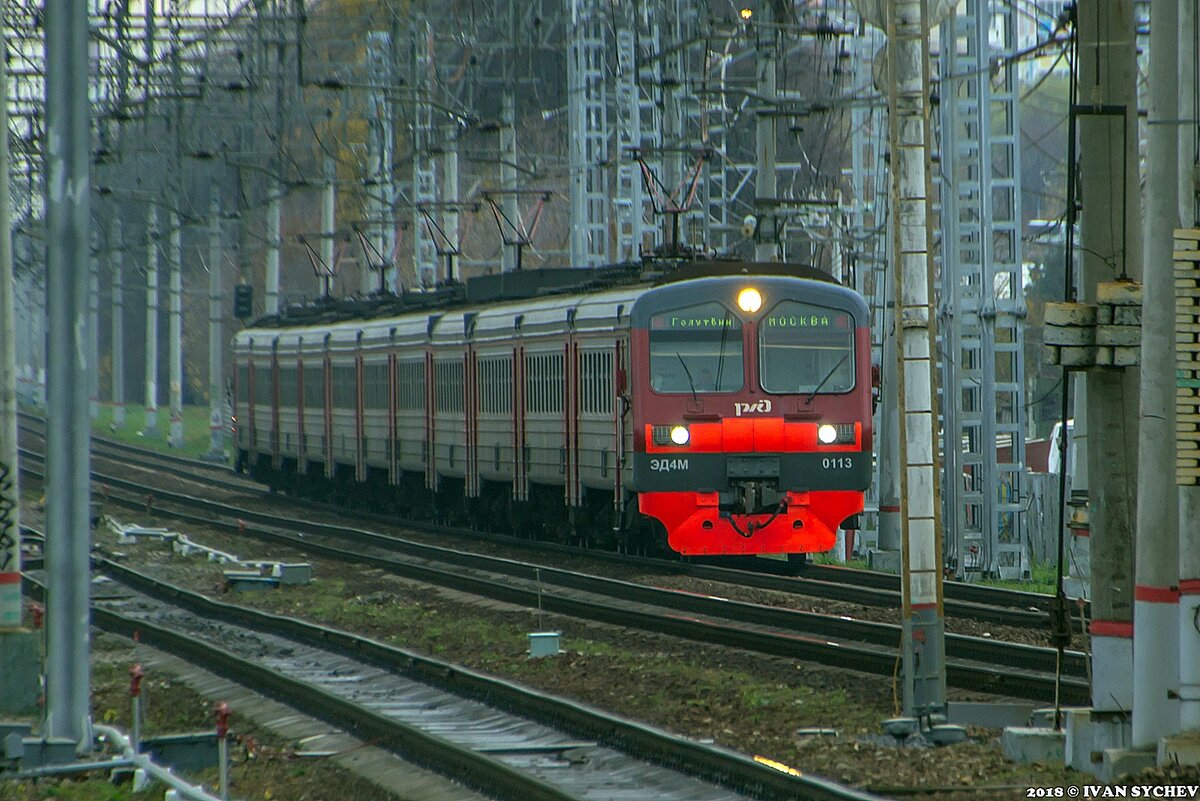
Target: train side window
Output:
[(696, 349), (495, 378), (262, 385), (448, 385), (410, 385), (345, 387), (314, 388), (806, 348), (595, 378), (375, 385), (287, 387), (243, 384), (544, 383)]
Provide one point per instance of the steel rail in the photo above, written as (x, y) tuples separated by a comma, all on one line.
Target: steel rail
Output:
[(985, 604), (712, 763), (848, 649)]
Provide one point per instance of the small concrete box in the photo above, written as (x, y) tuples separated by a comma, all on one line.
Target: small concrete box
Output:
[(293, 572), (185, 752), (543, 643)]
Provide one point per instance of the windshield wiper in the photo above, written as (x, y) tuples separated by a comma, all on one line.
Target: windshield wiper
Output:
[(688, 373), (721, 355), (828, 376)]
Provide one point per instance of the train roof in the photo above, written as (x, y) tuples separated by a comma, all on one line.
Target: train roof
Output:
[(531, 301)]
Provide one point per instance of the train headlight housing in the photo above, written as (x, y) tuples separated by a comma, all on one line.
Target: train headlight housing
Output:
[(680, 435), (837, 434), (749, 300)]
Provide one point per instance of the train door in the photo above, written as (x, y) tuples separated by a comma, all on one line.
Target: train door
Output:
[(360, 456), (328, 392), (571, 487), (471, 483), (251, 417), (621, 408), (276, 459), (520, 448), (393, 450), (301, 410), (431, 481)]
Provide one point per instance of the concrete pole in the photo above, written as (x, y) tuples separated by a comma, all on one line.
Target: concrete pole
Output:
[(765, 184), (1110, 234), (271, 291), (1156, 600), (1189, 65), (93, 351), (450, 195), (175, 332), (1189, 497), (10, 491), (68, 674), (889, 441), (216, 381), (508, 175), (328, 199), (151, 426), (1189, 610), (117, 325), (921, 583)]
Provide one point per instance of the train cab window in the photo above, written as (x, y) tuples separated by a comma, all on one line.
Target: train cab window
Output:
[(696, 349), (805, 348)]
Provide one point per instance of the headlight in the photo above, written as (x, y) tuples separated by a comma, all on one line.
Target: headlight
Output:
[(680, 435), (827, 434), (749, 300)]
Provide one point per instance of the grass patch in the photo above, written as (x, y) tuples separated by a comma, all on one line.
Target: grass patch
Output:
[(828, 559), (1043, 579), (196, 433)]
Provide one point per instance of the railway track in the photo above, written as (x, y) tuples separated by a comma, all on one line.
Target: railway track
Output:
[(968, 601), (503, 739), (974, 663)]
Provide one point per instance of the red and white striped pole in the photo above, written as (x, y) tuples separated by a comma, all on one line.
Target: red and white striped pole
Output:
[(1155, 596)]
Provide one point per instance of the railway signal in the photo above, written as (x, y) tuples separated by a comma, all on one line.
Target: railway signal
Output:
[(243, 301)]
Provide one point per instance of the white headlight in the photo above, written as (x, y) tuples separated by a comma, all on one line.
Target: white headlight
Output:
[(749, 300), (827, 434), (680, 435)]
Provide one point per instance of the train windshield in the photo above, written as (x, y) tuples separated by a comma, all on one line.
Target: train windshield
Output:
[(696, 349), (806, 348)]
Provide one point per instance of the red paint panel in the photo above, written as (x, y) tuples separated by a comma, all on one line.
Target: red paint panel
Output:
[(695, 526), (738, 435), (1111, 628), (1189, 587), (1156, 595), (768, 434)]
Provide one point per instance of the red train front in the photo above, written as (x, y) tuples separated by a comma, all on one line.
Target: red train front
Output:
[(751, 412)]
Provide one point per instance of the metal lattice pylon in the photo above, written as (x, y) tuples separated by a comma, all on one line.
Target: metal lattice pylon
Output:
[(588, 120), (982, 295), (424, 168), (380, 185)]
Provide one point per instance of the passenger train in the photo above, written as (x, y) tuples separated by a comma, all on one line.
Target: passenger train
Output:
[(720, 408)]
